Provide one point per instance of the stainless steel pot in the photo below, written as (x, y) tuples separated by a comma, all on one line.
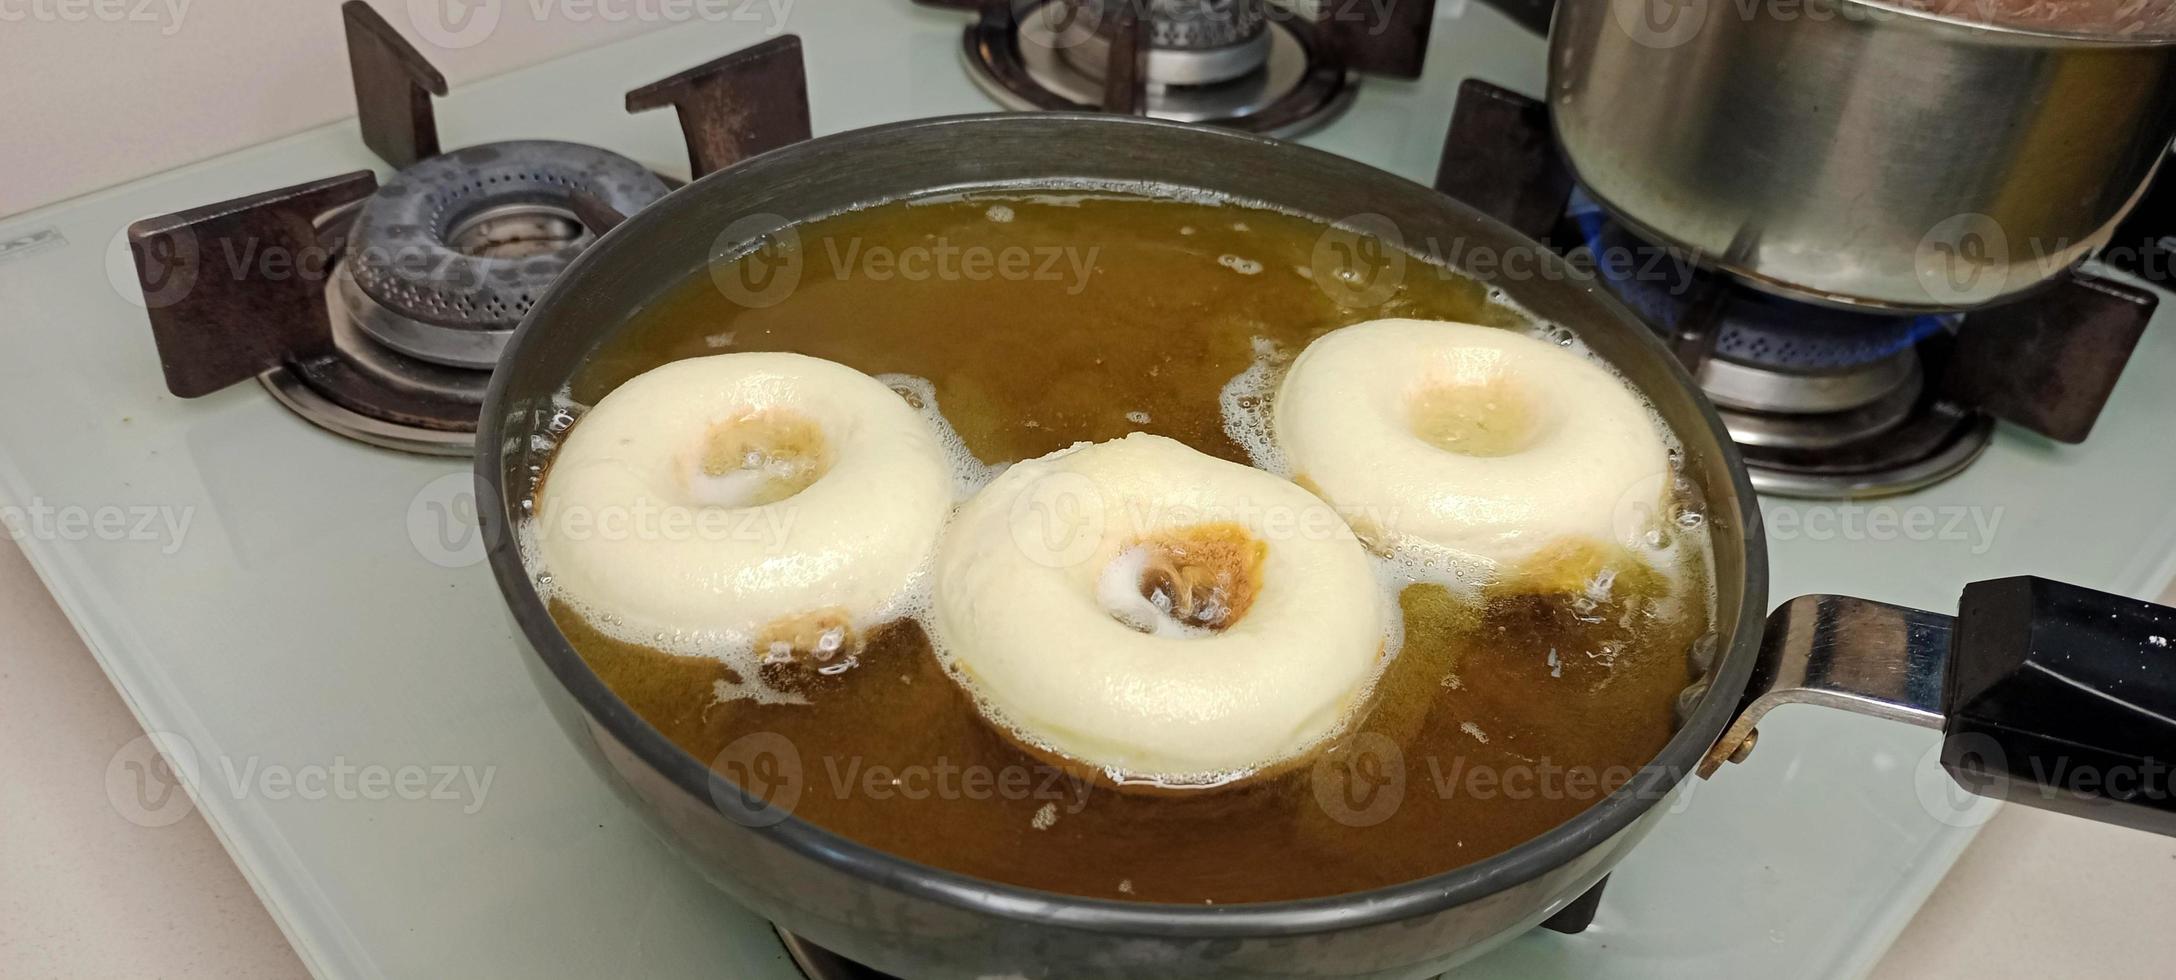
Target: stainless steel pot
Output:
[(1857, 154), (916, 921)]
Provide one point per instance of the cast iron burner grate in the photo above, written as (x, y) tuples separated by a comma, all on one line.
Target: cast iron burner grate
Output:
[(1254, 65), (1822, 402), (401, 298)]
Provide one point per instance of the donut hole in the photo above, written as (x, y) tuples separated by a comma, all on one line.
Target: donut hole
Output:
[(1488, 414), (1191, 581), (760, 457)]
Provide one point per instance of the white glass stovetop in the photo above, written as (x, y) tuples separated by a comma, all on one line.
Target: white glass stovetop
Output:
[(314, 614)]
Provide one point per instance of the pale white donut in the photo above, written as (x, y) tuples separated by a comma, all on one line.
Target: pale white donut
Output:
[(1583, 464), (1034, 567), (694, 558)]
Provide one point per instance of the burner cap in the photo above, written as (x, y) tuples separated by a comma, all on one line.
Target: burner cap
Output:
[(449, 254), (1190, 42), (1281, 82)]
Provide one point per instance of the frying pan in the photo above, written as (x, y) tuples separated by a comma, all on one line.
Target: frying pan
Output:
[(2030, 678)]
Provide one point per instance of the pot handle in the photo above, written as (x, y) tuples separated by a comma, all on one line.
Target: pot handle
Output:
[(2046, 694)]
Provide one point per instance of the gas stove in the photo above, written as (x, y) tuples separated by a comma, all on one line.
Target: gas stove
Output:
[(329, 604)]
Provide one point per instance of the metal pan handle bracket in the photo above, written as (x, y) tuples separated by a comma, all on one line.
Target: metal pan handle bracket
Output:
[(2046, 694), (1858, 655)]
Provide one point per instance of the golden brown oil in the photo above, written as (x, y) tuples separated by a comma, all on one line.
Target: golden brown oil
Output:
[(1497, 721)]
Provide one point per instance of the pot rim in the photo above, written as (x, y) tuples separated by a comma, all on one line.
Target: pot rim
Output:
[(1994, 31), (1652, 784)]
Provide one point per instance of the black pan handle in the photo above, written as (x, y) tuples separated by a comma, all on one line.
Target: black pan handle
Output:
[(2046, 694), (2064, 698)]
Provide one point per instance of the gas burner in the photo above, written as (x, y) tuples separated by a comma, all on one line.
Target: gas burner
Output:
[(403, 296), (1860, 454), (1247, 64), (1823, 402), (370, 391), (447, 257)]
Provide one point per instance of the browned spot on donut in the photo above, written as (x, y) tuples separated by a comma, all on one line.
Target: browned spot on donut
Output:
[(801, 652), (1207, 575), (785, 450)]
